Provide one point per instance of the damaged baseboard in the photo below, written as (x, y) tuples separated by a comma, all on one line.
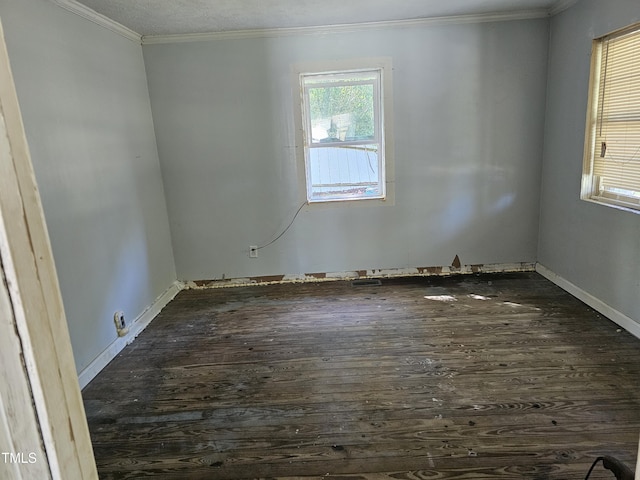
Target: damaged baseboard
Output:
[(136, 327), (358, 274)]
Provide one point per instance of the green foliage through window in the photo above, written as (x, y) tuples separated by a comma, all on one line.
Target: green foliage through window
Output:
[(346, 112)]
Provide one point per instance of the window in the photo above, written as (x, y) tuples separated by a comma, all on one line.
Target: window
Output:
[(343, 128), (611, 172)]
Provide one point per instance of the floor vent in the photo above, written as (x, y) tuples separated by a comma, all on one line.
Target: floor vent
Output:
[(366, 282)]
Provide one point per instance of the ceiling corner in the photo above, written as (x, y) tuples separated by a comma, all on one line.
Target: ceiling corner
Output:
[(561, 6), (87, 13)]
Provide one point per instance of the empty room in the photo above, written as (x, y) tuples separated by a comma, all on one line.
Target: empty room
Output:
[(278, 239)]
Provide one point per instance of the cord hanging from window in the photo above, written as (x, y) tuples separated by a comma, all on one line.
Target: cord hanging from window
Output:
[(285, 230)]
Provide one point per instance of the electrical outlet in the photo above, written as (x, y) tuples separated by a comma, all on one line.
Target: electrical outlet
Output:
[(121, 328), (253, 251)]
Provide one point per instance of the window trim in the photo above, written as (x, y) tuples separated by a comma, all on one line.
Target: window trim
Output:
[(385, 140), (590, 186)]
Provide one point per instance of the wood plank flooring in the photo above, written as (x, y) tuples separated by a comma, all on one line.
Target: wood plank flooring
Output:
[(468, 377)]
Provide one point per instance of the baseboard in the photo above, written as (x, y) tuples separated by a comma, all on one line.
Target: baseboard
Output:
[(135, 328), (358, 274), (628, 323)]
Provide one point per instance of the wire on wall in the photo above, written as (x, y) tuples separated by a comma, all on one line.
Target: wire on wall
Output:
[(285, 230)]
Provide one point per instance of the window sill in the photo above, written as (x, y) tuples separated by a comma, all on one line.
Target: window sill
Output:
[(615, 203), (354, 199)]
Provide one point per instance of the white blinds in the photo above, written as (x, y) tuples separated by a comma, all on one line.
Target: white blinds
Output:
[(617, 137)]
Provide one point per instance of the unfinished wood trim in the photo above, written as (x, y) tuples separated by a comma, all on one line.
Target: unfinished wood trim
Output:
[(37, 305), (19, 429)]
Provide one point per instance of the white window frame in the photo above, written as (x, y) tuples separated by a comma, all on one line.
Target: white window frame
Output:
[(592, 188), (383, 129)]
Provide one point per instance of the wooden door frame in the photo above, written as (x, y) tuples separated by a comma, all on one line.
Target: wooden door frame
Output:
[(40, 376)]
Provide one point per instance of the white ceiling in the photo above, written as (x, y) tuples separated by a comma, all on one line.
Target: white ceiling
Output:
[(169, 17)]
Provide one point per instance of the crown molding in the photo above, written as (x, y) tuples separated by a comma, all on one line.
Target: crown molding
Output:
[(344, 28), (85, 12), (561, 6), (97, 18)]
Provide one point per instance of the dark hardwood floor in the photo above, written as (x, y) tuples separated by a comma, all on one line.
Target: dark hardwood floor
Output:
[(468, 377)]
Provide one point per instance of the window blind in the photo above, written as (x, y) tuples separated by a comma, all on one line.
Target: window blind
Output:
[(616, 152)]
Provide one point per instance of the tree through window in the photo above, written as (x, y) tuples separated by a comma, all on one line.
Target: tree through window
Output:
[(344, 138)]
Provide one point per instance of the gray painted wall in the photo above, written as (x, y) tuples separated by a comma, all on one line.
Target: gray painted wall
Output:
[(85, 106), (597, 248), (469, 119)]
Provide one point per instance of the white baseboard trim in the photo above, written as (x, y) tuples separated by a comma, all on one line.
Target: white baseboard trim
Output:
[(628, 323), (135, 328)]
